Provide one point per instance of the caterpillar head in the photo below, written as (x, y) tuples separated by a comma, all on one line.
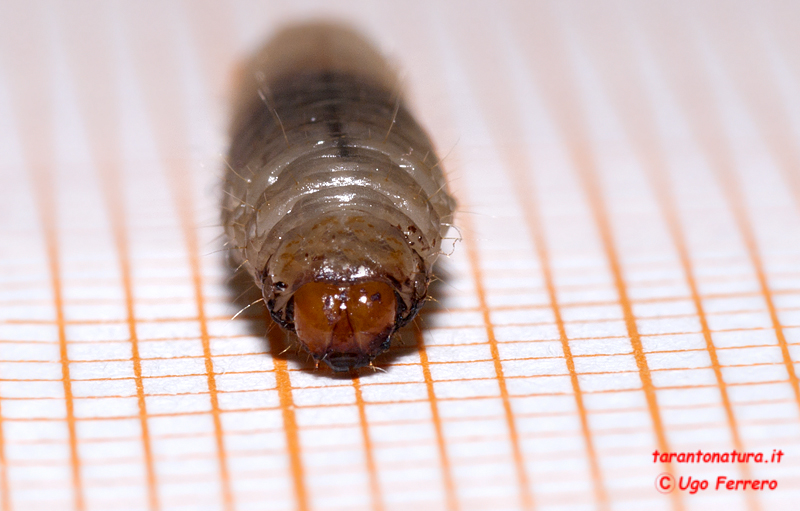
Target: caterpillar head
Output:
[(345, 326), (344, 283)]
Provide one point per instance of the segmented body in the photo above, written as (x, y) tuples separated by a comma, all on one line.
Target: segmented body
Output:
[(330, 178)]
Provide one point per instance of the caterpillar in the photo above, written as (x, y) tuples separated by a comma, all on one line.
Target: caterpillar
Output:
[(334, 199)]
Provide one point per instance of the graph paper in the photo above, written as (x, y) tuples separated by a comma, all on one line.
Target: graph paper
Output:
[(626, 284)]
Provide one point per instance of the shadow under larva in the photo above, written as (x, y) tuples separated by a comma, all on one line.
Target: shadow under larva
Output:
[(334, 197)]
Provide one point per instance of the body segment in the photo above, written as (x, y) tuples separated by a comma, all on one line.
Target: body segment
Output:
[(334, 185)]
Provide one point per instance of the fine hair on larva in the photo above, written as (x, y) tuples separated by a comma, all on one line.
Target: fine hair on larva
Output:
[(334, 198)]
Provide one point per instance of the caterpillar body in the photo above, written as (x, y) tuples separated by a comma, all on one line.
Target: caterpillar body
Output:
[(334, 199)]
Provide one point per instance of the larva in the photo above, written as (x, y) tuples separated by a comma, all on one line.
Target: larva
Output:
[(334, 199)]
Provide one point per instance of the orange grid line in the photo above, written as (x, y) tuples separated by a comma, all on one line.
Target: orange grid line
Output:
[(194, 265), (666, 200), (499, 109), (545, 375), (114, 204), (426, 365), (706, 127), (145, 261), (526, 198), (284, 383), (407, 421), (357, 468), (372, 471), (167, 121), (437, 345), (444, 460), (262, 317), (557, 81), (491, 273), (37, 146), (106, 154), (498, 113), (474, 460), (686, 350), (736, 204), (477, 398), (735, 201), (45, 198), (586, 169), (574, 339), (756, 82), (427, 311), (5, 489), (638, 121), (561, 455), (525, 495)]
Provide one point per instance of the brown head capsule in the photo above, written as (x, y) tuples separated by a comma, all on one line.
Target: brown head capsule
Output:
[(334, 198)]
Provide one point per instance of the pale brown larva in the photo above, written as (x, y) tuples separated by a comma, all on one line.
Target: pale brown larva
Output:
[(334, 198)]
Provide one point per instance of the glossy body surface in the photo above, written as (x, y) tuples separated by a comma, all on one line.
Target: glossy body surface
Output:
[(333, 194)]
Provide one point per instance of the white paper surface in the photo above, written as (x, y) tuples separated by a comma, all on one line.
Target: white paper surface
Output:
[(628, 280)]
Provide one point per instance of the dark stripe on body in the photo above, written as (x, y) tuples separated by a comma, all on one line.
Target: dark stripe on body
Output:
[(335, 130)]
